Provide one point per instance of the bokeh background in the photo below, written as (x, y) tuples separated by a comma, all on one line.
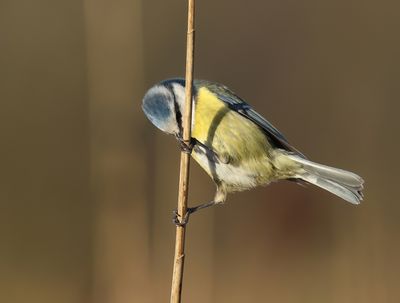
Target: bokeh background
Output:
[(87, 184)]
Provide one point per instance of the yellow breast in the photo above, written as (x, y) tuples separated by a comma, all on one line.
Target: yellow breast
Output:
[(231, 136), (219, 127)]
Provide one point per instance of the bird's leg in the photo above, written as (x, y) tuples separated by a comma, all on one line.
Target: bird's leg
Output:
[(189, 211)]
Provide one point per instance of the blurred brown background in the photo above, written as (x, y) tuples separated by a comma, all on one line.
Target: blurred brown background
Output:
[(87, 184)]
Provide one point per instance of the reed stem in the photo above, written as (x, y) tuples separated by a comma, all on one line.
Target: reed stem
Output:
[(179, 258)]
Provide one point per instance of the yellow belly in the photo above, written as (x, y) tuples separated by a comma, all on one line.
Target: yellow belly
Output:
[(233, 138)]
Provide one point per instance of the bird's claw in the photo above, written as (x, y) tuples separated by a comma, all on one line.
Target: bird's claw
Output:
[(186, 147), (190, 210), (181, 222)]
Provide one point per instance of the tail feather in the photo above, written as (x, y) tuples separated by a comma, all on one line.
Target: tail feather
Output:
[(342, 183)]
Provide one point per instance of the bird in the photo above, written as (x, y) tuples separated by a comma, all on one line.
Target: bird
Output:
[(236, 146)]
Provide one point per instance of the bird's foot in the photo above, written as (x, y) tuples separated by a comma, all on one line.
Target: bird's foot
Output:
[(190, 210), (180, 222), (185, 146)]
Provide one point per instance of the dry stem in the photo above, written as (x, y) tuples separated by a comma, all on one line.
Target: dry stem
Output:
[(177, 276)]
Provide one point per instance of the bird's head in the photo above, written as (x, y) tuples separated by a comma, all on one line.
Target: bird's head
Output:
[(163, 105)]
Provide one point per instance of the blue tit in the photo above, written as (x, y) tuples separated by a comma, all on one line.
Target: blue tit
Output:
[(236, 146)]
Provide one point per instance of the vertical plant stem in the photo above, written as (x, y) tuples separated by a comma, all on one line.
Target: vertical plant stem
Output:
[(177, 275)]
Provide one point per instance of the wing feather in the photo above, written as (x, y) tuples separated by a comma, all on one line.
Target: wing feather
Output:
[(237, 104)]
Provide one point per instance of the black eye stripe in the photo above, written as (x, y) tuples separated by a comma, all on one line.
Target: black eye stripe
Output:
[(178, 114)]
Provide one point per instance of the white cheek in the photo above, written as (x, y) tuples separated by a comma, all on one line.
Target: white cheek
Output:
[(179, 92), (193, 112)]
